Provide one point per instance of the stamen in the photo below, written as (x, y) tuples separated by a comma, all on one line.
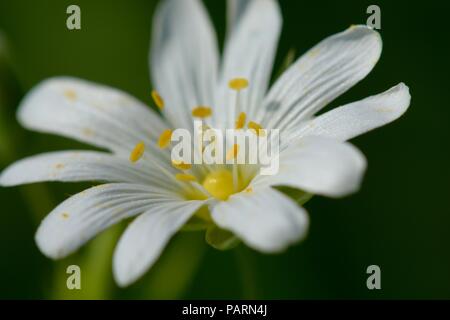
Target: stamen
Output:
[(257, 128), (201, 112), (185, 177), (164, 138), (181, 165), (238, 84), (158, 100), (233, 152), (137, 152), (240, 121)]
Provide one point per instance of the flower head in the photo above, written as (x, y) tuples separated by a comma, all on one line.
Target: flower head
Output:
[(141, 179)]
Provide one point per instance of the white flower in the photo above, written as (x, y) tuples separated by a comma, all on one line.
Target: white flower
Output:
[(186, 73)]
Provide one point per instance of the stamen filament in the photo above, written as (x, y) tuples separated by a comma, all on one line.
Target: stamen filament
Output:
[(233, 152)]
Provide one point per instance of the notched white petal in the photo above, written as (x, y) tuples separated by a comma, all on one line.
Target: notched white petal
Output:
[(264, 219), (184, 58), (84, 215), (249, 53), (320, 166), (73, 166), (322, 74), (146, 237), (351, 120), (89, 112)]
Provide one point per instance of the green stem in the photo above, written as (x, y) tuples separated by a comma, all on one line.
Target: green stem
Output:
[(171, 276), (95, 265), (247, 273)]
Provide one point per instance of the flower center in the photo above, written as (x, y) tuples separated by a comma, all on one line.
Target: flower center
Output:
[(219, 184)]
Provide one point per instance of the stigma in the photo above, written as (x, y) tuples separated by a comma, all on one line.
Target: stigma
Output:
[(219, 184)]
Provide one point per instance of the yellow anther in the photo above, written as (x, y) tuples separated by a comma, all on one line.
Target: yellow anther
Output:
[(157, 99), (240, 121), (70, 94), (219, 184), (137, 152), (185, 177), (248, 190), (233, 152), (238, 84), (164, 138), (181, 165), (257, 128), (201, 112)]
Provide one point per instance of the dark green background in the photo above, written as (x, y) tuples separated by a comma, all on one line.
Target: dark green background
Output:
[(399, 220)]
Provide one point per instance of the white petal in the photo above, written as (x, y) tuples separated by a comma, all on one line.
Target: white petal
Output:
[(235, 11), (265, 219), (145, 238), (356, 118), (90, 113), (184, 58), (322, 74), (319, 165), (73, 166), (249, 53), (82, 216)]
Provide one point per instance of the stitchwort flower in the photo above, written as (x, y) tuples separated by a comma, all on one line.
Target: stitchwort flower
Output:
[(140, 178)]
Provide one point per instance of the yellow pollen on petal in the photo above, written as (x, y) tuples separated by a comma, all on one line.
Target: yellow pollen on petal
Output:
[(233, 152), (240, 121), (185, 177), (70, 94), (248, 190), (202, 112), (158, 100), (137, 152), (219, 184), (65, 215), (181, 165), (256, 127), (164, 138), (59, 166), (238, 84)]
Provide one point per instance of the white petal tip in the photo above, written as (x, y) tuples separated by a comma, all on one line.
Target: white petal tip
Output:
[(48, 248), (123, 274), (4, 179)]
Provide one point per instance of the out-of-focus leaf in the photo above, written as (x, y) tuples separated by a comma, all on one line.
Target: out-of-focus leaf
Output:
[(95, 262), (176, 268)]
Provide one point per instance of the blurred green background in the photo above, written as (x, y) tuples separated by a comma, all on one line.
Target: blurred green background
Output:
[(399, 220)]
